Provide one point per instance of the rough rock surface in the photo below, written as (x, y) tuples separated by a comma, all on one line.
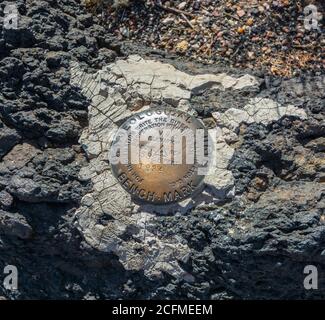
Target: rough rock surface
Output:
[(250, 234), (114, 91)]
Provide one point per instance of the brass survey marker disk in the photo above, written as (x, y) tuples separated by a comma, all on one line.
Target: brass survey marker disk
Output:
[(149, 181)]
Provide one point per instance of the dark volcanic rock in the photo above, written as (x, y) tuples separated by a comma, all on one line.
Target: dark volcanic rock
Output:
[(13, 224), (283, 231), (8, 138), (5, 199)]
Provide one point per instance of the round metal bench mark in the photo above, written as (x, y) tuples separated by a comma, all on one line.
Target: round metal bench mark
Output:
[(160, 159)]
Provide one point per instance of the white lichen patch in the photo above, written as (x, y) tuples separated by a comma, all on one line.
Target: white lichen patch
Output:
[(107, 217)]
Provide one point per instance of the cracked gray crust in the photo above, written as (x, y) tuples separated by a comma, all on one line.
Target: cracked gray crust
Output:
[(113, 92)]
